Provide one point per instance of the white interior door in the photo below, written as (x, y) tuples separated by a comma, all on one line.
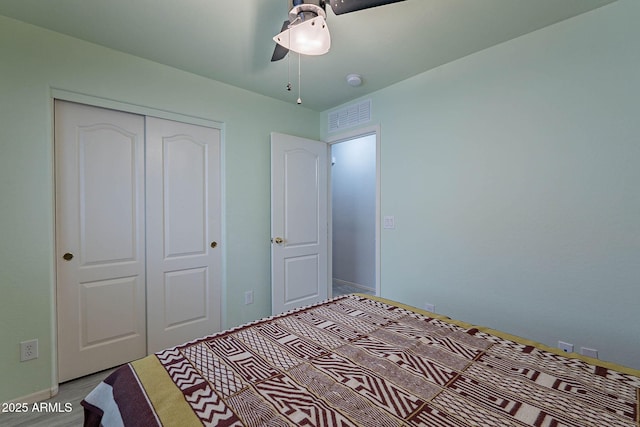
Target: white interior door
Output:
[(100, 246), (183, 232), (299, 252)]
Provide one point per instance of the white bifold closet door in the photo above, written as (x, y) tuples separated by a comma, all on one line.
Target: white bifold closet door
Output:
[(137, 214), (183, 232)]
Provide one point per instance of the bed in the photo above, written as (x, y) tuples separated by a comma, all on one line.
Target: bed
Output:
[(357, 360)]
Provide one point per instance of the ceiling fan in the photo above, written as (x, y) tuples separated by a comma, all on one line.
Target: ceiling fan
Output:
[(306, 31)]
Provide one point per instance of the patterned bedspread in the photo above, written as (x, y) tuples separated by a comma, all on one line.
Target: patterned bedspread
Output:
[(359, 361)]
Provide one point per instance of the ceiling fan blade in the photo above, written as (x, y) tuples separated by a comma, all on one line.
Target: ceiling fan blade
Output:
[(345, 6), (280, 51)]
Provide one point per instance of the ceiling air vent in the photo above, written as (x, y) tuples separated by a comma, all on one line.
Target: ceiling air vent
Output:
[(351, 115)]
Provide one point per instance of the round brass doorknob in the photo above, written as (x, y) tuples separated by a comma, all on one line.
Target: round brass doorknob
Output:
[(278, 240), (67, 257), (214, 244)]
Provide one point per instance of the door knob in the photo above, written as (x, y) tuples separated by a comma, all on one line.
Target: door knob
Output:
[(278, 240), (214, 244), (67, 257)]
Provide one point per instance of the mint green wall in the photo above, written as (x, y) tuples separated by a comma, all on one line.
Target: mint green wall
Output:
[(514, 175), (33, 62), (519, 164)]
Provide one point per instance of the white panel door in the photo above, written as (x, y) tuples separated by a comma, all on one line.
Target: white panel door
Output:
[(299, 226), (183, 232), (100, 246)]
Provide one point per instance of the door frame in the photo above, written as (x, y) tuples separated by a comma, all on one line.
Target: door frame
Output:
[(343, 137), (96, 101)]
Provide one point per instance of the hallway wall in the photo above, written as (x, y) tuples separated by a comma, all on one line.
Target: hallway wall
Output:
[(353, 183)]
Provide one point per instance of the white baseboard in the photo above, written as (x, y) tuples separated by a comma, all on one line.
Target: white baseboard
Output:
[(38, 396), (355, 285)]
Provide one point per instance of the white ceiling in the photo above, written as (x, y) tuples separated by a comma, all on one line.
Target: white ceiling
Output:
[(231, 40)]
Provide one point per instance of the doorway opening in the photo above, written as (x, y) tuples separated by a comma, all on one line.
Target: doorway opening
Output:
[(354, 215)]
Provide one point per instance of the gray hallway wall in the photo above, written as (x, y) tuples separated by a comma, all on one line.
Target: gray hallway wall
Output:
[(353, 180)]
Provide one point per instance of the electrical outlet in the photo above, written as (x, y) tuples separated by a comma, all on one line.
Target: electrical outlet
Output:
[(28, 350), (248, 297), (565, 346), (591, 352), (430, 307)]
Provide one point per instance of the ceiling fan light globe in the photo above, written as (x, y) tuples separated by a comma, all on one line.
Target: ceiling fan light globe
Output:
[(309, 37)]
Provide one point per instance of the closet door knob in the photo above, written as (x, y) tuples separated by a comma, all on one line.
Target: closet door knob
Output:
[(214, 244), (67, 257), (278, 240)]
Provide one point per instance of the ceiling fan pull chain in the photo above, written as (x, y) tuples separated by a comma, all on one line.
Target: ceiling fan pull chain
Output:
[(299, 84), (289, 67)]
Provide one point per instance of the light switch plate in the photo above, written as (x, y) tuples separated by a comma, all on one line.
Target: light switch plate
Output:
[(248, 297), (389, 222)]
